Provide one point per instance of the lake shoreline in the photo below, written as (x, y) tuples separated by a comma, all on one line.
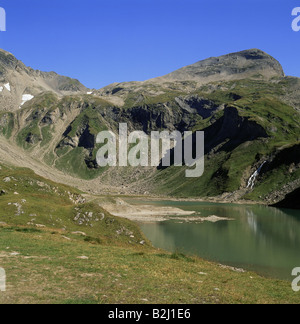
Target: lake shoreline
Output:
[(251, 240), (145, 213)]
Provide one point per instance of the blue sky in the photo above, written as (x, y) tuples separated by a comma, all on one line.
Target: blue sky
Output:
[(100, 41)]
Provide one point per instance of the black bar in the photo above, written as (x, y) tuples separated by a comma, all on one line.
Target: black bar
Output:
[(145, 313)]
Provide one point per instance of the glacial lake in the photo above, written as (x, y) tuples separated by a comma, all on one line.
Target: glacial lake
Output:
[(261, 239)]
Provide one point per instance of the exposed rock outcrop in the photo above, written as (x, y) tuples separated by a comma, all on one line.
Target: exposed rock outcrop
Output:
[(290, 201)]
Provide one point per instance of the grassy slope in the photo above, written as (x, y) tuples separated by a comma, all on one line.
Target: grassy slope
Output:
[(31, 200), (48, 270), (43, 264), (225, 171), (6, 123), (73, 160)]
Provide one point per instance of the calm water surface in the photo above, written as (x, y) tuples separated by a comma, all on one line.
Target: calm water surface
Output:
[(262, 239)]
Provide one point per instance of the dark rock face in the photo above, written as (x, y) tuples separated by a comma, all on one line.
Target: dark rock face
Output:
[(179, 115), (230, 131), (116, 90), (67, 141), (227, 133), (32, 138), (83, 138), (288, 156), (197, 105), (291, 201), (150, 118), (86, 139)]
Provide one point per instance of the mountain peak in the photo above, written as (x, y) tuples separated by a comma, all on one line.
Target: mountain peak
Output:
[(8, 61), (239, 65), (17, 81)]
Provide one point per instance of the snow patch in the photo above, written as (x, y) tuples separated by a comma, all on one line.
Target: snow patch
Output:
[(25, 98), (90, 92), (7, 86), (1, 89)]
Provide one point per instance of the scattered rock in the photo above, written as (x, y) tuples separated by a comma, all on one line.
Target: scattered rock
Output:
[(232, 268), (214, 219), (19, 209), (79, 233), (83, 257), (202, 273), (7, 179)]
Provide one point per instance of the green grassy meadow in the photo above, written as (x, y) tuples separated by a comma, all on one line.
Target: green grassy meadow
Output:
[(52, 256)]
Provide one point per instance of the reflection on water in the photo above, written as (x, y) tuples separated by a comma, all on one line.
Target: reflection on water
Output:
[(262, 239)]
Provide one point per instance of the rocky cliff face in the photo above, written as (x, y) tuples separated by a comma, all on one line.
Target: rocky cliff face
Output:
[(291, 200), (230, 131)]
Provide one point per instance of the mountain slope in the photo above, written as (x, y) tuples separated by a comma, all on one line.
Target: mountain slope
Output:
[(235, 66), (251, 64), (19, 83), (243, 101)]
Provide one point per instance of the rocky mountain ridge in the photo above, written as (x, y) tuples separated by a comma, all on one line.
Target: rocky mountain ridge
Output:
[(19, 83), (243, 101)]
